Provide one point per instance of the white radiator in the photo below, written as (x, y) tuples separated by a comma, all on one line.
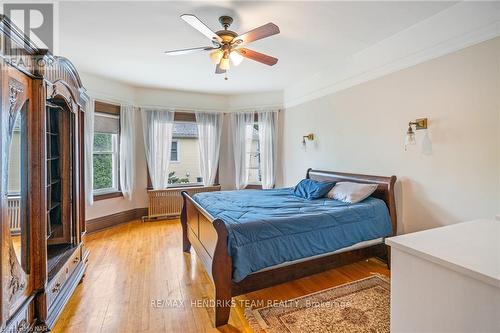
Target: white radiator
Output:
[(168, 202), (14, 211)]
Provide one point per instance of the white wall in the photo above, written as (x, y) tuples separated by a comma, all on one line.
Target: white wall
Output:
[(361, 129), (270, 99), (180, 99), (107, 90)]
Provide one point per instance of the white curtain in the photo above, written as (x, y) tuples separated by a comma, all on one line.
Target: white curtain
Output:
[(127, 150), (268, 124), (157, 127), (209, 133), (89, 151), (242, 127)]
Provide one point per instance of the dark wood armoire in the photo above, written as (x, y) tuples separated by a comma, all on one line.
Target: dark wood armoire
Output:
[(42, 220)]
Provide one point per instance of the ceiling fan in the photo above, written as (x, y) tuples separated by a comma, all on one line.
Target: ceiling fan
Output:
[(228, 45)]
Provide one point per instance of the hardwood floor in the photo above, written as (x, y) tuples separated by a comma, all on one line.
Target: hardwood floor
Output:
[(138, 276)]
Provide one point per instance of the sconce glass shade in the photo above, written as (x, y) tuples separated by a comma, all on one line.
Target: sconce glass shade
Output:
[(224, 64), (216, 56), (410, 137), (236, 58)]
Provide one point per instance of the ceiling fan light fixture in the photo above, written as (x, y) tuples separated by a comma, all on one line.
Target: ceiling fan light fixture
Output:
[(236, 58), (226, 45), (224, 64), (216, 56)]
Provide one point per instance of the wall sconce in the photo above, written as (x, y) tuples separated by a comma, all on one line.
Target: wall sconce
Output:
[(410, 134), (309, 137)]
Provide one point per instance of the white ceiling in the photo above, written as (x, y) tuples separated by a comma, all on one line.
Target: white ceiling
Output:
[(125, 40)]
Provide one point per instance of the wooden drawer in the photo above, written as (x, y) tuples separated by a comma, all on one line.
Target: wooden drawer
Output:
[(73, 262), (57, 284)]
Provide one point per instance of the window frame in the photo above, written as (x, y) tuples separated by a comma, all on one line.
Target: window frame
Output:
[(111, 110), (177, 145), (115, 164), (255, 184)]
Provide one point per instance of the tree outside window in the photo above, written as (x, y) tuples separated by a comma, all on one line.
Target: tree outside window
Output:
[(106, 153)]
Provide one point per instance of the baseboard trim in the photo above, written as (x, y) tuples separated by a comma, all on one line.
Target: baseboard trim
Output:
[(107, 221)]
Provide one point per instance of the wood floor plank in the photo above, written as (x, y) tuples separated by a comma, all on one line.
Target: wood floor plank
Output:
[(136, 266)]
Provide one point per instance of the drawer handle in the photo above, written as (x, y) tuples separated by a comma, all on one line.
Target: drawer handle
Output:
[(76, 260), (56, 288)]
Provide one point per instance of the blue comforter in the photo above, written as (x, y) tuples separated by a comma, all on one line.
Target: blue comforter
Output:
[(270, 227)]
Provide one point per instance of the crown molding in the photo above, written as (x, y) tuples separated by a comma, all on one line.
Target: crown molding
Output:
[(112, 91), (457, 27)]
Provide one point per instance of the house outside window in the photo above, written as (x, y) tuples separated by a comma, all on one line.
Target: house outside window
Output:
[(253, 156), (184, 169), (106, 153)]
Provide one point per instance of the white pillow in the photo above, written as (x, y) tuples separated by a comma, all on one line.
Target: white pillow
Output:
[(351, 192)]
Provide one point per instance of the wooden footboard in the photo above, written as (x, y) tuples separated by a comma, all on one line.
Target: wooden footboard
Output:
[(208, 236)]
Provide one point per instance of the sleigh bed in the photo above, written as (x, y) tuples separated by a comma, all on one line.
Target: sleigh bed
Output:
[(249, 240)]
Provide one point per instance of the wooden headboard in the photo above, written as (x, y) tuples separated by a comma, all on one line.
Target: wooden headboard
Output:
[(385, 190)]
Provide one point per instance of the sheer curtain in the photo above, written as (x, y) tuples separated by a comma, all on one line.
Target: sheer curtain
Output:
[(242, 126), (127, 150), (157, 127), (268, 124), (209, 133), (89, 151)]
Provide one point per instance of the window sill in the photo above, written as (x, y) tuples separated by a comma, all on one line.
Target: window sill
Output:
[(188, 185), (109, 195)]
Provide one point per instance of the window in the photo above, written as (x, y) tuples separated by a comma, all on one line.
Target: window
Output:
[(184, 168), (184, 171), (174, 151), (106, 153), (253, 151)]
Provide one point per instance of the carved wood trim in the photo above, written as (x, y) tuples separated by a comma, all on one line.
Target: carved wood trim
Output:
[(17, 279), (16, 91)]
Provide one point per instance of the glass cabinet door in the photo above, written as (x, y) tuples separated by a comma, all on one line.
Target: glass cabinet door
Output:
[(15, 170)]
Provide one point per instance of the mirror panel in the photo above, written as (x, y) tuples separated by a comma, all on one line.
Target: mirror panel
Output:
[(17, 182)]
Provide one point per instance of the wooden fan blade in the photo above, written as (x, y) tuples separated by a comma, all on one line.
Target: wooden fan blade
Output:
[(219, 70), (190, 50), (257, 56), (201, 27), (258, 33)]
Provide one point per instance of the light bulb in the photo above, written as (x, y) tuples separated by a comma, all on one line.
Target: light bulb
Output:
[(216, 56), (224, 64), (410, 138), (236, 58)]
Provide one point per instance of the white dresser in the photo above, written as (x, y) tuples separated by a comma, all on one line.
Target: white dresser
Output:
[(447, 279)]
